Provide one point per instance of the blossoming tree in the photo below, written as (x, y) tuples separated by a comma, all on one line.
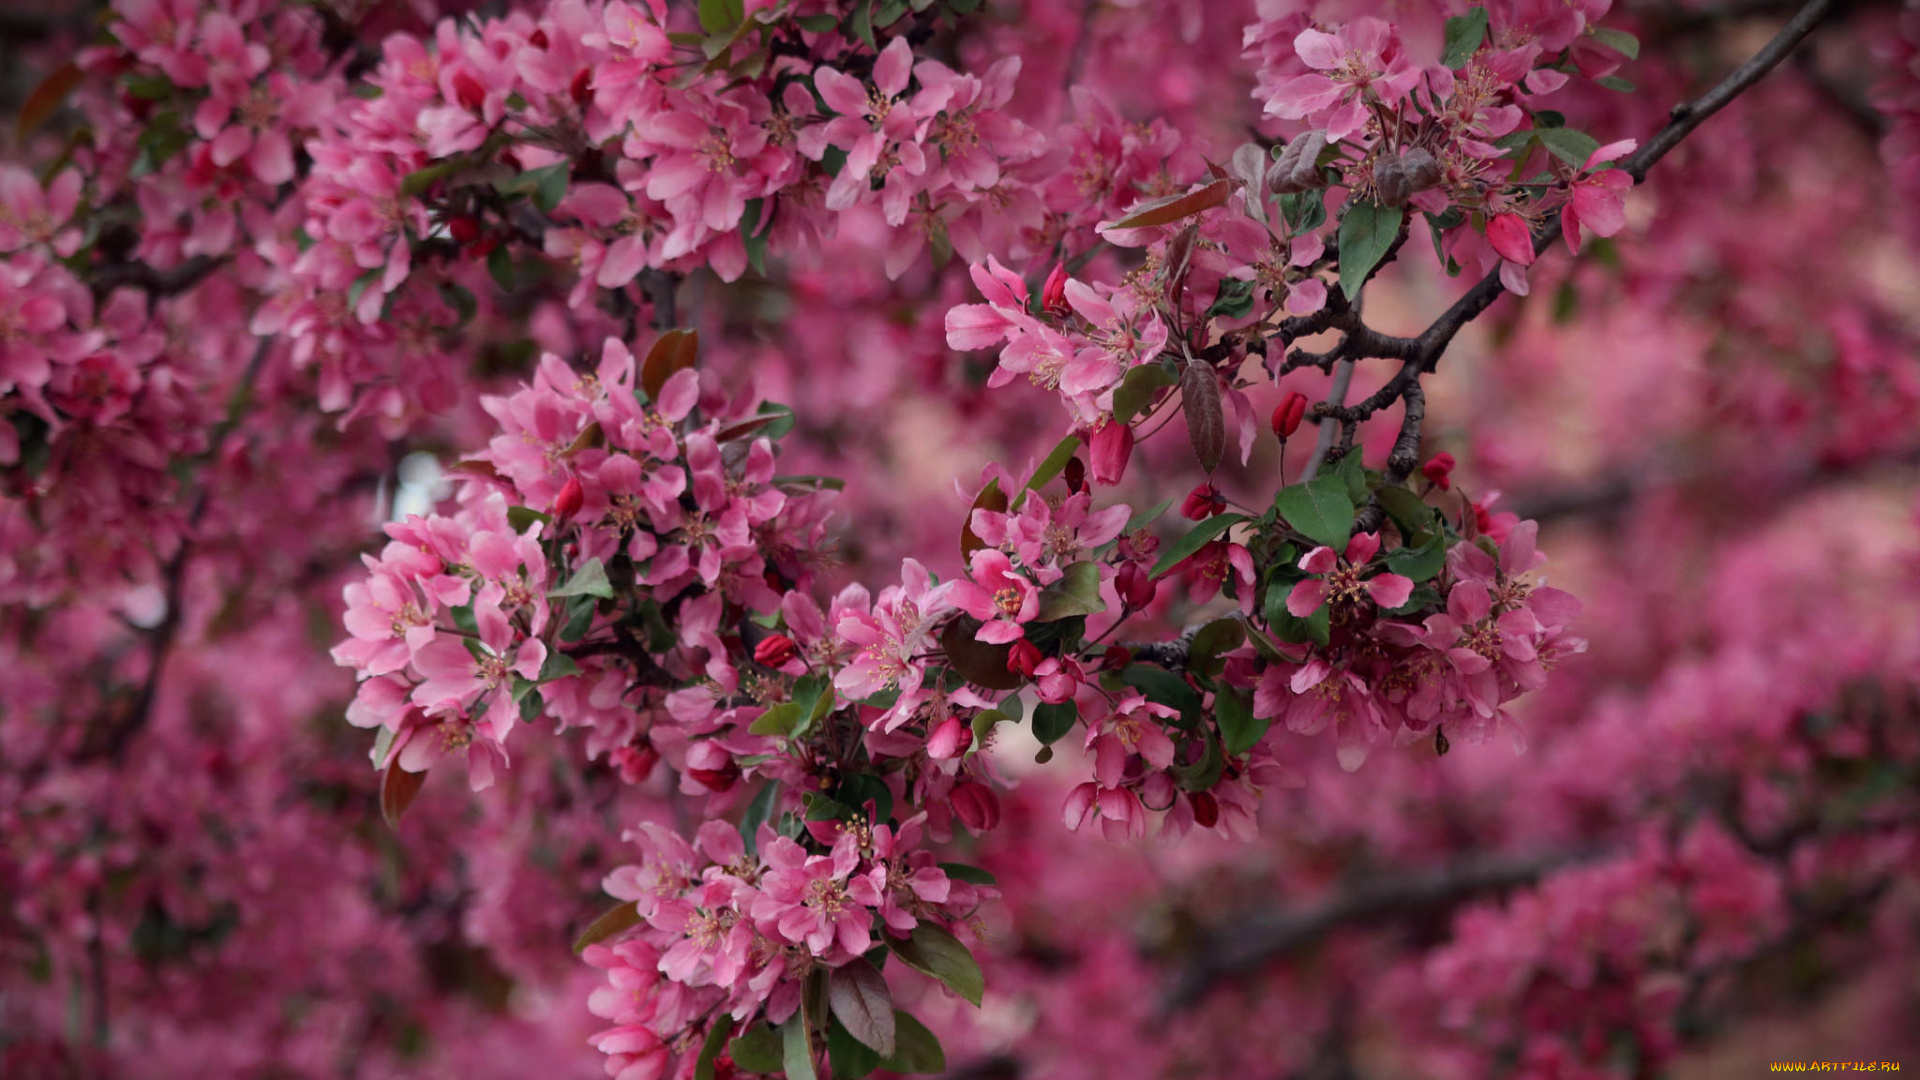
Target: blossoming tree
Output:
[(728, 444)]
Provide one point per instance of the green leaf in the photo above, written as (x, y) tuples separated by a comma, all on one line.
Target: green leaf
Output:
[(1352, 469), (935, 952), (781, 721), (1304, 211), (814, 695), (1137, 388), (1214, 639), (500, 265), (1464, 35), (719, 16), (1570, 146), (1421, 563), (419, 180), (1051, 722), (1406, 509), (521, 518), (1615, 82), (753, 237), (817, 24), (916, 1051), (1202, 775), (622, 916), (1319, 510), (1162, 686), (709, 1050), (984, 721), (1076, 593), (1421, 599), (850, 1058), (796, 1038), (758, 812), (1234, 300), (1198, 537), (1618, 40), (972, 875), (757, 1051), (1148, 516), (589, 580), (1316, 628), (558, 665), (546, 185), (858, 994), (977, 661), (863, 23), (862, 788), (1239, 728), (1366, 232), (990, 498), (398, 789), (1055, 462)]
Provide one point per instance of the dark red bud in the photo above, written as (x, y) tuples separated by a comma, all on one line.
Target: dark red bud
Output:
[(1288, 414), (1202, 503), (1023, 658), (1116, 657), (635, 762), (1075, 475), (1206, 809), (1134, 585), (1109, 447), (582, 88), (567, 503), (539, 39), (774, 650), (1053, 295), (468, 90), (720, 779), (464, 229), (976, 805)]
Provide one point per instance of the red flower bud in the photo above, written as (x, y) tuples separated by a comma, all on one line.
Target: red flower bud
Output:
[(1023, 658), (582, 88), (468, 90), (975, 805), (464, 229), (1116, 657), (1109, 448), (950, 739), (1134, 585), (1206, 808), (567, 503), (1437, 468), (1202, 503), (538, 39), (1288, 414), (720, 779), (774, 650), (635, 762), (1075, 475), (1053, 295)]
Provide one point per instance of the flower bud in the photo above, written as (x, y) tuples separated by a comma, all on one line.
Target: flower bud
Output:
[(463, 228), (1023, 657), (1206, 808), (1053, 295), (635, 762), (582, 87), (468, 90), (1437, 468), (1202, 503), (1110, 447), (538, 39), (1116, 657), (977, 807), (1134, 586), (567, 503), (1423, 171), (949, 740), (1288, 414), (774, 650), (1075, 475), (717, 780)]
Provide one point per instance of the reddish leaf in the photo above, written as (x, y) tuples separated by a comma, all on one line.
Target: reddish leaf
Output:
[(1169, 210), (675, 351), (977, 661), (1206, 425), (398, 789), (860, 998), (617, 919), (990, 498), (46, 99)]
